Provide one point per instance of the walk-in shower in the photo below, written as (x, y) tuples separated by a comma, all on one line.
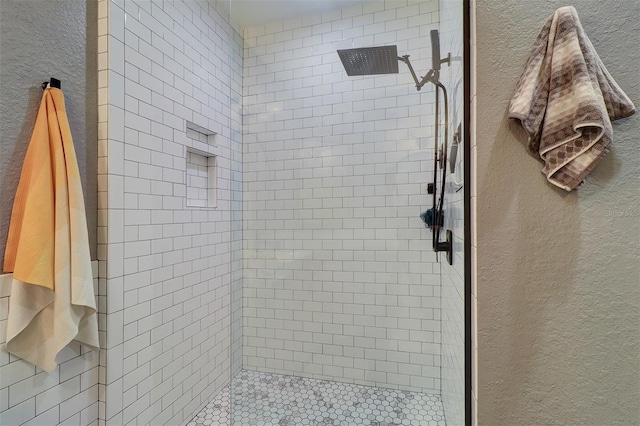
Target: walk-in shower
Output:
[(343, 318)]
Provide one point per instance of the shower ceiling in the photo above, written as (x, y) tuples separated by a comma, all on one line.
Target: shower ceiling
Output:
[(250, 13)]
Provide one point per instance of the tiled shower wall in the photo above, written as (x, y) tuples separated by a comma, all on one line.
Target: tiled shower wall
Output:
[(28, 395), (453, 366), (166, 268), (340, 280)]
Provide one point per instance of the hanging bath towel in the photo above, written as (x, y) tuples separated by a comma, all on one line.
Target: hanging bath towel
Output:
[(566, 101), (52, 299)]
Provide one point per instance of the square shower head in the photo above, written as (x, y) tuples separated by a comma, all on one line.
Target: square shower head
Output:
[(370, 60)]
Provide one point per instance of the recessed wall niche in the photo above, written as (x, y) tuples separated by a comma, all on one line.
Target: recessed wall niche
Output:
[(200, 133), (201, 179), (201, 168)]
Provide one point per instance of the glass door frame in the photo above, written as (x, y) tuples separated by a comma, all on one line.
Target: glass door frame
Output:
[(468, 320)]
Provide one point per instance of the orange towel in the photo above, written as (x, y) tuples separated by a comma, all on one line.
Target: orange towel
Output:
[(52, 298)]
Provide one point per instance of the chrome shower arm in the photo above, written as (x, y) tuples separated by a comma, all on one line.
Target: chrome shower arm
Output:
[(432, 76)]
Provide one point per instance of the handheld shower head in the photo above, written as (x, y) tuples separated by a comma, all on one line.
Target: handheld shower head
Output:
[(435, 50)]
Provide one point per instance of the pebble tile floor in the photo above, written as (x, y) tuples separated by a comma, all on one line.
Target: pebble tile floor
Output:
[(274, 400)]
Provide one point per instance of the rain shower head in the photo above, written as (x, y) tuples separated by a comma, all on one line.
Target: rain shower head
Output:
[(370, 60), (384, 60)]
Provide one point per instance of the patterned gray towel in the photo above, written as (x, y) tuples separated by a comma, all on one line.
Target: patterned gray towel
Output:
[(566, 100)]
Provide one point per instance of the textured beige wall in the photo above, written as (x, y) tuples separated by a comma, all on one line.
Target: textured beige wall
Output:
[(558, 273), (40, 39)]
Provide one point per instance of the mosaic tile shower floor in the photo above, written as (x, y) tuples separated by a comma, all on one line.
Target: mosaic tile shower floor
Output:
[(274, 400)]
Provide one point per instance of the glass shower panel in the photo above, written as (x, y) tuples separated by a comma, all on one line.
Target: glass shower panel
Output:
[(452, 276), (336, 318)]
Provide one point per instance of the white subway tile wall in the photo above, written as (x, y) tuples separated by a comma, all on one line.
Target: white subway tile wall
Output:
[(28, 395), (453, 366), (166, 267), (340, 282)]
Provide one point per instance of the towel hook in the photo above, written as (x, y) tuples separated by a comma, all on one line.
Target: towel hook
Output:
[(54, 82)]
